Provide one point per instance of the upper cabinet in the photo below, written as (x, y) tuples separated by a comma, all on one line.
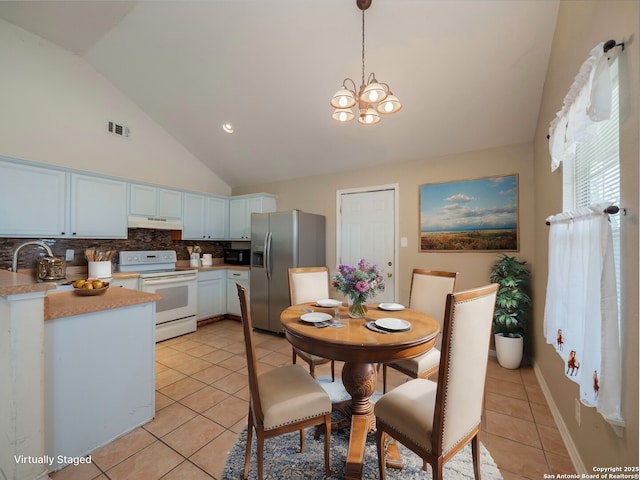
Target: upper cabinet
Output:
[(240, 210), (33, 201), (47, 202), (156, 202), (204, 217), (41, 201), (98, 207)]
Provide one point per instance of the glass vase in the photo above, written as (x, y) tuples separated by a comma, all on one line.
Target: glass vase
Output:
[(357, 307)]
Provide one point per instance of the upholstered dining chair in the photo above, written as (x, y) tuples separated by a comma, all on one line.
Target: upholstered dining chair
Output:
[(282, 400), (436, 419), (428, 294), (308, 284)]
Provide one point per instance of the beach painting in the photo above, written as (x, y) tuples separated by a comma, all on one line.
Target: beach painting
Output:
[(470, 215)]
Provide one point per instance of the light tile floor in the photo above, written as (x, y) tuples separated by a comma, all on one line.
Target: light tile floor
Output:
[(202, 403)]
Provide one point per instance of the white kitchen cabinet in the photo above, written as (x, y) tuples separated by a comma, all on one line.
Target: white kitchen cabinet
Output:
[(212, 293), (204, 217), (33, 201), (240, 210), (98, 207), (156, 202), (233, 277), (217, 218)]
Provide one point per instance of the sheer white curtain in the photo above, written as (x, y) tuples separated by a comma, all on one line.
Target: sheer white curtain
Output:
[(581, 311), (587, 102)]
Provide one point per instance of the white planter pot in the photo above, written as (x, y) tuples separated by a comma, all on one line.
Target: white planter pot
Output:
[(509, 351)]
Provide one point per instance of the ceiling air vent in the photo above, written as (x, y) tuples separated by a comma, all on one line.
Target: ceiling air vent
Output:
[(118, 130)]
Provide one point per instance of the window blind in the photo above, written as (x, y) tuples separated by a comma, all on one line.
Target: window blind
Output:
[(594, 174)]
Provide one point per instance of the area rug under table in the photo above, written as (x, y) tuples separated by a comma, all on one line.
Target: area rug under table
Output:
[(283, 460)]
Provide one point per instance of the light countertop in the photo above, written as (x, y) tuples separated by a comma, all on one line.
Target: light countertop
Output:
[(68, 304), (12, 283)]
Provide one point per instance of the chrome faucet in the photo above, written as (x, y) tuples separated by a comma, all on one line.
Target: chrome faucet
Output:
[(25, 244)]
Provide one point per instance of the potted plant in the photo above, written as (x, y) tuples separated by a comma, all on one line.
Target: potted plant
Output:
[(512, 309)]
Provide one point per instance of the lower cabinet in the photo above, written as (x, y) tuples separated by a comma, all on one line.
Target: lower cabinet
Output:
[(98, 379), (212, 293), (233, 277)]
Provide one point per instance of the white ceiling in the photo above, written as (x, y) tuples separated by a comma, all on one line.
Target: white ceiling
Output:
[(470, 74)]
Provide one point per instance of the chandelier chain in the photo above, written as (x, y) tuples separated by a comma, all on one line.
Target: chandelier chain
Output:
[(362, 46)]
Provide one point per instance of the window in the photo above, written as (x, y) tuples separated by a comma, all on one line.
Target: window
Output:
[(594, 175)]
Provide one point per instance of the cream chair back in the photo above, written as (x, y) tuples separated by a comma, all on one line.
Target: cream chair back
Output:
[(429, 290), (308, 284), (463, 365)]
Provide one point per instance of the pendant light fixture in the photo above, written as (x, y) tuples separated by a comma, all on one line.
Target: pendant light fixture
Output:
[(374, 98)]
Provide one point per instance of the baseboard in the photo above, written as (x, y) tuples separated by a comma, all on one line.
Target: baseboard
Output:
[(578, 464)]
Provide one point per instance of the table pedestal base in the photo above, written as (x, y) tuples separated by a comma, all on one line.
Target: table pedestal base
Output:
[(359, 380)]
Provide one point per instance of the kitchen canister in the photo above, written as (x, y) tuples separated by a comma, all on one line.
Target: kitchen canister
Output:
[(101, 270), (194, 260), (207, 259)]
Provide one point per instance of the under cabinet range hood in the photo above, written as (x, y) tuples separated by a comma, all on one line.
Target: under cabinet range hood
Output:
[(154, 222)]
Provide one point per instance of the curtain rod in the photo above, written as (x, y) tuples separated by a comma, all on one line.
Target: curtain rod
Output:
[(609, 44), (613, 209)]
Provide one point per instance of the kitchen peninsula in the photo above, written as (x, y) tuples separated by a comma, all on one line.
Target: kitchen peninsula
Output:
[(77, 372)]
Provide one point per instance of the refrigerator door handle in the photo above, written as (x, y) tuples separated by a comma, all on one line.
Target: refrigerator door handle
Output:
[(267, 255)]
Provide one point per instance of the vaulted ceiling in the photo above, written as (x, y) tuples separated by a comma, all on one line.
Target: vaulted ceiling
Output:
[(469, 73)]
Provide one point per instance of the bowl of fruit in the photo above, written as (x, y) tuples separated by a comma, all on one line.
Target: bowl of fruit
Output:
[(90, 286)]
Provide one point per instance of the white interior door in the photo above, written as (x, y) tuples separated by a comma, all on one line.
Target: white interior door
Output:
[(367, 229)]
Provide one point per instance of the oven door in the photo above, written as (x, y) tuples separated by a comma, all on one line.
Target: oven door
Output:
[(178, 296)]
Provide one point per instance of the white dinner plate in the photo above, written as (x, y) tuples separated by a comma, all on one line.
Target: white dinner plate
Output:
[(391, 306), (393, 324), (316, 317), (328, 302)]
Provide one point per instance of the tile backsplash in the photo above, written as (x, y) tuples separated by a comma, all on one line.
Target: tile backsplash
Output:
[(138, 239)]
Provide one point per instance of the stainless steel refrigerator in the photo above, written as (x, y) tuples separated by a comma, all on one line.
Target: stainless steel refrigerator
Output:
[(281, 240)]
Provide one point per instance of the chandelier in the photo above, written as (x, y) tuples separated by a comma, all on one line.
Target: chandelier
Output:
[(374, 98)]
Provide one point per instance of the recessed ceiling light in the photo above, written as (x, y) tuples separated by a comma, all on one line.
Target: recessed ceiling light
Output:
[(227, 127)]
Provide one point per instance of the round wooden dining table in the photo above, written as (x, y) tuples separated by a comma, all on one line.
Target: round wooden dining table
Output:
[(361, 349)]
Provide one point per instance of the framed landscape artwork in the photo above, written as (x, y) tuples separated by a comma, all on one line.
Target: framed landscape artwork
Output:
[(470, 215)]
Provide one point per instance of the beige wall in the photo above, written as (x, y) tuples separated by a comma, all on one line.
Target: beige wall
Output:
[(580, 26), (318, 195), (55, 109)]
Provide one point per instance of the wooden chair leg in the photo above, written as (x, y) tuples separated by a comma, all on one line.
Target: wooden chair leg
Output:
[(247, 453), (475, 455), (380, 441), (301, 440), (384, 378), (312, 369), (333, 371), (293, 356), (260, 439), (436, 469), (327, 445)]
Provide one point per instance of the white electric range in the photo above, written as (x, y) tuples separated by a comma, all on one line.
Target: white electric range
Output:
[(176, 310)]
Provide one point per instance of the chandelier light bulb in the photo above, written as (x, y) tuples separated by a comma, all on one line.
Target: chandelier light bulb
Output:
[(343, 115), (391, 104), (343, 98), (368, 116)]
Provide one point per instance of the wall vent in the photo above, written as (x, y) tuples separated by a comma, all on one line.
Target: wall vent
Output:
[(118, 130)]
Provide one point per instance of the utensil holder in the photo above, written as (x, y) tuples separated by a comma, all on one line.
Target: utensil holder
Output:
[(99, 270), (194, 261)]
